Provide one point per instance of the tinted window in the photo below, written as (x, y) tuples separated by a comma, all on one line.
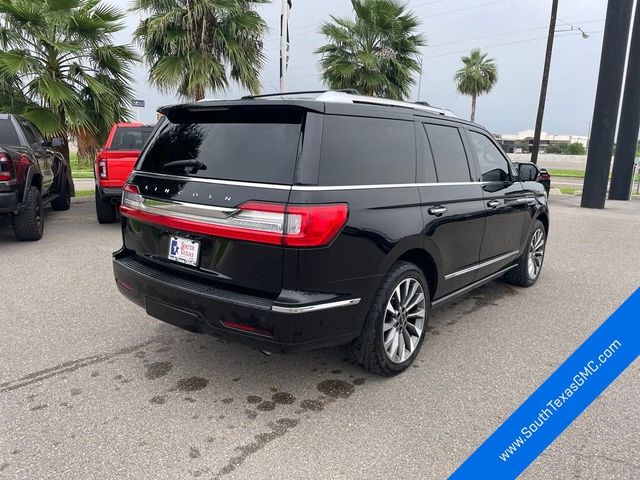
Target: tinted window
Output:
[(8, 135), (37, 134), (493, 166), (31, 132), (426, 167), (448, 153), (130, 138), (367, 151), (245, 146)]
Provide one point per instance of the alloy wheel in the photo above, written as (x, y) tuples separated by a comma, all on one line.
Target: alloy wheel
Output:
[(536, 253), (404, 320)]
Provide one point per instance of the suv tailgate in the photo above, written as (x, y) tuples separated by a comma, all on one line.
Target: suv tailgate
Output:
[(195, 173)]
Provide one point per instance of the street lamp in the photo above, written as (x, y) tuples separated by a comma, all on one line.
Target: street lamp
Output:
[(545, 74)]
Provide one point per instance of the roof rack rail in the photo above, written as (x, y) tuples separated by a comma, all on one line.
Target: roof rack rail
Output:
[(351, 91), (341, 97), (350, 95)]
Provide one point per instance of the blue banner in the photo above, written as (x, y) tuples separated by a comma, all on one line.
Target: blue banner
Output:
[(560, 399)]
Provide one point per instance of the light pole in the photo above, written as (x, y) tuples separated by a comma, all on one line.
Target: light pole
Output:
[(545, 74), (545, 82), (284, 40), (420, 80)]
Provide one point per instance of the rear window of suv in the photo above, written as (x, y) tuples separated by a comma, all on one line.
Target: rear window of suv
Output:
[(246, 146), (8, 135), (130, 138)]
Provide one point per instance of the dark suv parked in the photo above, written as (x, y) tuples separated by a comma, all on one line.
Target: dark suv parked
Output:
[(301, 221)]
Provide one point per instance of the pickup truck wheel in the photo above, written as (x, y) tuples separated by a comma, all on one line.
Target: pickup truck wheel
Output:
[(63, 202), (105, 210), (29, 224), (395, 325), (530, 262)]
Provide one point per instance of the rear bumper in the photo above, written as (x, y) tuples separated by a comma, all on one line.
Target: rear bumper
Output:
[(293, 322), (9, 202), (110, 192)]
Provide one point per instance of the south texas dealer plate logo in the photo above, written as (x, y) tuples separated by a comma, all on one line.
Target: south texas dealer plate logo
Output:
[(183, 250)]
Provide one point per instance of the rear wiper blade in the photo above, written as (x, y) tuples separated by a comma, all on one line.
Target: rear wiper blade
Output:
[(194, 164)]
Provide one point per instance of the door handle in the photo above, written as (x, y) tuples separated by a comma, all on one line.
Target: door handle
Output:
[(493, 203), (437, 211)]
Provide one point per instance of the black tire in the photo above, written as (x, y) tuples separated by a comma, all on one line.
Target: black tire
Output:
[(521, 275), (368, 350), (105, 210), (29, 224), (63, 201)]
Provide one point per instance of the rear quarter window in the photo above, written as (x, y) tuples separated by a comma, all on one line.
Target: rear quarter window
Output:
[(243, 146), (367, 151), (8, 135), (130, 138)]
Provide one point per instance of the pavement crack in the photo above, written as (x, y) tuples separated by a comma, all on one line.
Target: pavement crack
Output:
[(69, 366), (619, 461), (277, 430)]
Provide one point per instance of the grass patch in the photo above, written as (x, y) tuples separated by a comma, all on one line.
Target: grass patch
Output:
[(566, 173), (569, 190), (85, 193), (555, 172), (79, 169)]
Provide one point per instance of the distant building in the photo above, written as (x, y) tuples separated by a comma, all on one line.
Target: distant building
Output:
[(522, 142)]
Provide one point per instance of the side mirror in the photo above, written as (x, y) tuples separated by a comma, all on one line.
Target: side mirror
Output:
[(528, 172), (57, 142)]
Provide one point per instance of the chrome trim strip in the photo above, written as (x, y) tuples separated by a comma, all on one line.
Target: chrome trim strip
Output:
[(301, 188), (193, 211), (315, 308), (519, 201), (314, 188), (273, 186), (482, 281), (480, 265)]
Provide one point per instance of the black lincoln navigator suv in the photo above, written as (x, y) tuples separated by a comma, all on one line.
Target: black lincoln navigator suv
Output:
[(306, 220)]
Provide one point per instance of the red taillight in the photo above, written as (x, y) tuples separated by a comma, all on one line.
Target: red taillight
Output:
[(314, 225), (128, 187), (102, 172), (274, 224), (5, 167)]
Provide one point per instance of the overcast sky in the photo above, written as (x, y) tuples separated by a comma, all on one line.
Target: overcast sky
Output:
[(513, 32)]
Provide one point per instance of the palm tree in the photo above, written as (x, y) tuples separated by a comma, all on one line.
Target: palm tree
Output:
[(199, 45), (478, 76), (377, 53), (59, 69)]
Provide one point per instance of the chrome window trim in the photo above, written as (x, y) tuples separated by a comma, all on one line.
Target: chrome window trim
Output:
[(480, 265), (315, 308), (303, 188), (274, 186), (315, 188)]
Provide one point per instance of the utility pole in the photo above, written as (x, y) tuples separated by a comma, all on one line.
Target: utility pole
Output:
[(627, 144), (284, 41), (545, 82), (606, 107), (420, 79)]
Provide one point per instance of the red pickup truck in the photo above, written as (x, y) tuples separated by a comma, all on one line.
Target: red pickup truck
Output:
[(114, 164)]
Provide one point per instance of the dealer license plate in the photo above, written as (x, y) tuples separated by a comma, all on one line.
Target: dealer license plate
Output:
[(183, 250)]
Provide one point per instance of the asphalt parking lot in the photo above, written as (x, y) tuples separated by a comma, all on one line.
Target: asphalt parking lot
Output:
[(91, 387)]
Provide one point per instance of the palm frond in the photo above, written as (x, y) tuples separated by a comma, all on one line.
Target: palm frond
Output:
[(377, 53)]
